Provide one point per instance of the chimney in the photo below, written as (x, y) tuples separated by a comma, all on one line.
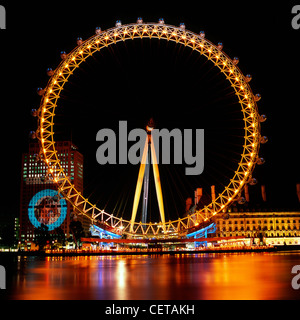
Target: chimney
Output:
[(263, 193), (247, 193), (188, 203), (198, 195), (213, 193), (298, 190)]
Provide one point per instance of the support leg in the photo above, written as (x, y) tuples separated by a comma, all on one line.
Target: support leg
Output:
[(158, 186), (139, 186)]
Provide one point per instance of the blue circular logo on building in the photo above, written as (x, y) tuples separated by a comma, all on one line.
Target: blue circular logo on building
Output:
[(47, 207)]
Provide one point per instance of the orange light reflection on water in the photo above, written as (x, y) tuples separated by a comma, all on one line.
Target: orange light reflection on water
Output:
[(169, 277)]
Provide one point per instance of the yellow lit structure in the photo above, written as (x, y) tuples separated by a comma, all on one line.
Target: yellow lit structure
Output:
[(197, 42), (277, 228), (141, 178)]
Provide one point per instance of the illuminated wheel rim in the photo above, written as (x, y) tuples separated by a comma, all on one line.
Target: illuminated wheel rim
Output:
[(197, 42)]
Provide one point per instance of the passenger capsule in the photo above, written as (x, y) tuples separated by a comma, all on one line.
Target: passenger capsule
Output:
[(50, 72), (202, 34), (32, 134), (98, 30), (161, 20), (139, 20), (253, 182), (56, 198), (63, 55), (40, 91), (241, 200), (79, 41), (118, 23), (236, 60), (220, 45), (225, 216), (34, 112), (36, 157), (260, 161), (262, 118), (182, 26), (257, 97), (263, 139), (248, 78)]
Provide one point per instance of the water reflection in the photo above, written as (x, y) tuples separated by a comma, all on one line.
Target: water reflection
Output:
[(189, 276)]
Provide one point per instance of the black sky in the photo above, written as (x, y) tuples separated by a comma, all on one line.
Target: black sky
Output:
[(259, 33)]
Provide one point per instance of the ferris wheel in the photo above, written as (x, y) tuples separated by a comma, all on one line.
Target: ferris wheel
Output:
[(162, 31)]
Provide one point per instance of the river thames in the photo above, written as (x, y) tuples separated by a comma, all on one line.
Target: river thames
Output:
[(202, 276)]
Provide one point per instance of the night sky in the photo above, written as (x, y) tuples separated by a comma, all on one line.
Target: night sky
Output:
[(118, 84)]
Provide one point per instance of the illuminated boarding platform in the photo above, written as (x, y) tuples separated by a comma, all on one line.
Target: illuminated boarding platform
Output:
[(202, 233), (102, 233)]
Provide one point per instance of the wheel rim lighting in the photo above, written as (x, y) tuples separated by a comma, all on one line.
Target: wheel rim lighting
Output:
[(166, 32)]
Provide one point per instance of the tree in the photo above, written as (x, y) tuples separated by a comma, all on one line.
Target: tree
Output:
[(77, 231), (7, 236), (59, 236), (41, 236)]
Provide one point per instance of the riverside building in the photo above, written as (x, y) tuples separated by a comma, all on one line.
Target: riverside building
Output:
[(40, 202)]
